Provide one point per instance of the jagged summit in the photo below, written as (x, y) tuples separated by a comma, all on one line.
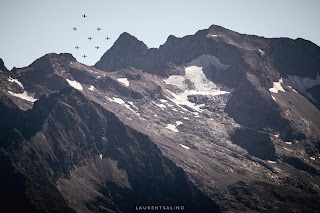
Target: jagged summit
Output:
[(2, 66), (45, 73), (54, 57), (126, 51), (125, 36)]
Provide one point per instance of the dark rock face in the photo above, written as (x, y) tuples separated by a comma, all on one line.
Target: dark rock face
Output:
[(127, 51), (42, 76), (249, 195), (295, 57), (258, 144), (215, 121), (2, 66), (10, 113), (315, 92), (299, 164), (64, 131)]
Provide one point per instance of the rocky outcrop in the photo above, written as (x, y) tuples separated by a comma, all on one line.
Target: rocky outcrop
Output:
[(127, 51), (65, 133)]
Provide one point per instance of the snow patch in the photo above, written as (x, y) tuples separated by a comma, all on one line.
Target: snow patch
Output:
[(177, 80), (117, 100), (23, 96), (91, 88), (132, 104), (13, 80), (122, 102), (101, 156), (277, 135), (173, 127), (184, 146), (272, 162), (155, 115), (185, 118), (124, 81), (277, 87), (206, 61), (182, 98), (197, 77), (312, 158), (288, 142), (163, 101), (261, 52), (178, 123), (159, 105), (201, 85), (293, 89), (214, 35), (273, 98), (75, 84)]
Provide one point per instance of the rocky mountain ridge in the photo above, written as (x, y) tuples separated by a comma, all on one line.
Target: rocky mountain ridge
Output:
[(238, 113)]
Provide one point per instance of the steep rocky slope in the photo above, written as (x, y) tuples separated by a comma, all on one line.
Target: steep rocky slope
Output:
[(70, 153), (238, 113)]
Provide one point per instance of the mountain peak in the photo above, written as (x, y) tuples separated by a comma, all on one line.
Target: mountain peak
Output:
[(55, 56), (126, 51), (2, 66), (127, 36), (51, 58), (128, 39)]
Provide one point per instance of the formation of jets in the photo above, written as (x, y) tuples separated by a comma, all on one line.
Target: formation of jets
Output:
[(89, 38)]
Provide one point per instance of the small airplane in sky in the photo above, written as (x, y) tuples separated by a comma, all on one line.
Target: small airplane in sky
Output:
[(74, 29), (98, 28), (84, 56), (77, 47), (90, 38), (97, 47), (107, 38), (84, 16)]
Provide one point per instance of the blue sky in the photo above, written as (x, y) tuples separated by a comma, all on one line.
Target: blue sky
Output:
[(30, 29)]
